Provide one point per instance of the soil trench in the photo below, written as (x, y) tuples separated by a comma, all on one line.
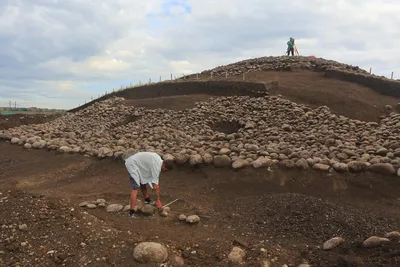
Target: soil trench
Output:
[(288, 213)]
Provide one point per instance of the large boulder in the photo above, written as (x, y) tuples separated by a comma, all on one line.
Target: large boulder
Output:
[(207, 158), (340, 167), (147, 209), (382, 168), (222, 161), (357, 166), (195, 160), (150, 252), (240, 164), (302, 164), (15, 140)]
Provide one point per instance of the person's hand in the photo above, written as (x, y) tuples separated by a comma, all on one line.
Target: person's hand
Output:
[(159, 204)]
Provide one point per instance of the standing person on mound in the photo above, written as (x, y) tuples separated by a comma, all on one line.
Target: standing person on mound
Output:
[(290, 45), (144, 168)]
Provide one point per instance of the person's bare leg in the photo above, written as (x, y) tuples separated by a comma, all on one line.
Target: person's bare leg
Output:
[(133, 199), (143, 188)]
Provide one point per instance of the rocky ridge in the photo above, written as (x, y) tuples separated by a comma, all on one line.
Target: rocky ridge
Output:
[(237, 131), (281, 63)]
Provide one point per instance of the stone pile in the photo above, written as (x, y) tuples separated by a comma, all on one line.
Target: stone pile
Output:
[(265, 131), (281, 63)]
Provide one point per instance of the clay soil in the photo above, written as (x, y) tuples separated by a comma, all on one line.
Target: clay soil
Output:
[(288, 213)]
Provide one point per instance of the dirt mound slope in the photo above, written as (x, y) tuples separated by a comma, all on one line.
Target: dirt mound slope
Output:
[(331, 69), (165, 90), (16, 120)]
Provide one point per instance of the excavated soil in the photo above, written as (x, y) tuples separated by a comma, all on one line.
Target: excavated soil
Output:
[(16, 120), (288, 213)]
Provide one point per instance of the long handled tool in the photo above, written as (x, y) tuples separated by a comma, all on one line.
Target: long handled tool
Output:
[(170, 202)]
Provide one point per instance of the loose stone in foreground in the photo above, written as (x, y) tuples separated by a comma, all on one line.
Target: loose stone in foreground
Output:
[(236, 256), (150, 252), (332, 243), (192, 219), (114, 208), (375, 241)]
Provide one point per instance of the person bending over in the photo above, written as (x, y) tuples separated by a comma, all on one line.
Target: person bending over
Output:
[(144, 169)]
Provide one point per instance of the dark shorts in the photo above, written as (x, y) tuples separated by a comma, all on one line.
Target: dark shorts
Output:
[(134, 185)]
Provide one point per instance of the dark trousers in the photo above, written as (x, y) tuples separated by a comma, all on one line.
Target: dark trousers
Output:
[(290, 50)]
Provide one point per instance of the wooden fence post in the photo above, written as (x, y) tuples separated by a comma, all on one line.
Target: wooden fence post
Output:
[(171, 76), (392, 76)]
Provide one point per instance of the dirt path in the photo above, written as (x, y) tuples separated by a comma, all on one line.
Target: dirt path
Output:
[(289, 214)]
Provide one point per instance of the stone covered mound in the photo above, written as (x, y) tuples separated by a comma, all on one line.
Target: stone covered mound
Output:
[(237, 131), (282, 63)]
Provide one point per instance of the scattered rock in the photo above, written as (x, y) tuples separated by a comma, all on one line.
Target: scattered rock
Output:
[(163, 213), (393, 235), (91, 206), (150, 252), (333, 243), (182, 217), (177, 261), (23, 227), (114, 208), (236, 256), (100, 200), (375, 241), (192, 219), (167, 209), (83, 204)]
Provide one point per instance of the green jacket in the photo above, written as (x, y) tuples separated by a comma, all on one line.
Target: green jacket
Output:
[(290, 44)]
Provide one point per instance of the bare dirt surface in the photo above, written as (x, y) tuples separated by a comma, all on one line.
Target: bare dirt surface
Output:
[(15, 120), (169, 102), (278, 215)]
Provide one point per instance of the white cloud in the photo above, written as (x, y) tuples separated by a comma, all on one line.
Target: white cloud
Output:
[(59, 53)]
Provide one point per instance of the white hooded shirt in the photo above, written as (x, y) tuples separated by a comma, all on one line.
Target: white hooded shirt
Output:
[(144, 167)]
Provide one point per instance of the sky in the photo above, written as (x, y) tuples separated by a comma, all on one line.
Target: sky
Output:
[(61, 53)]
